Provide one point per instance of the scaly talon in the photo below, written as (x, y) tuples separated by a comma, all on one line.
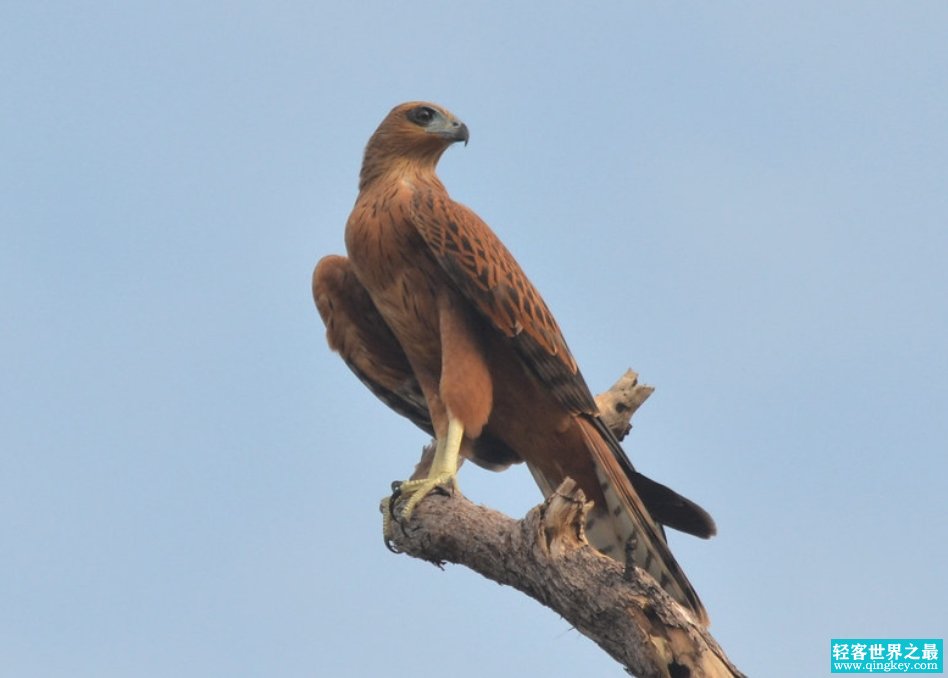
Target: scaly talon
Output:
[(387, 507), (393, 499), (441, 476), (416, 490)]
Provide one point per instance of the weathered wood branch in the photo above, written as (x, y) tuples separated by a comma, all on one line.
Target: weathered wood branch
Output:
[(546, 556), (619, 403)]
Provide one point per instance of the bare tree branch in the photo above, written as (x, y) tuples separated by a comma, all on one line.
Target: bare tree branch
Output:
[(619, 403), (546, 556)]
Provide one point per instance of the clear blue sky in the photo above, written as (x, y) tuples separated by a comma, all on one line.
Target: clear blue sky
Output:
[(746, 202)]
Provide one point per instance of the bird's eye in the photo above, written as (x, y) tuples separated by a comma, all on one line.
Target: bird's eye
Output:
[(421, 115)]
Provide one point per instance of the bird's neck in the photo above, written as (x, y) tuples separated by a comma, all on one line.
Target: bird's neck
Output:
[(380, 165)]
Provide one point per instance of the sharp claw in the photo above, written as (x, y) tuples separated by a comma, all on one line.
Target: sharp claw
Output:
[(396, 494), (389, 544), (441, 473), (388, 518), (417, 491)]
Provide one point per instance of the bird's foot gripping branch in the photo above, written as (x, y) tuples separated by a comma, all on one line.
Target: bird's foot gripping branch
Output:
[(546, 556)]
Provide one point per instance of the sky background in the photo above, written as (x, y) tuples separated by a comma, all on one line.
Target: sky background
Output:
[(745, 202)]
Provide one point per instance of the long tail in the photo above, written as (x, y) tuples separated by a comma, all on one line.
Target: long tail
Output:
[(630, 521)]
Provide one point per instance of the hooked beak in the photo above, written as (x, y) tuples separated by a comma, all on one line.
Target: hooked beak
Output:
[(461, 134), (452, 130)]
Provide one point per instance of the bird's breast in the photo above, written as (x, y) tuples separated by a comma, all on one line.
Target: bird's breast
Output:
[(393, 263)]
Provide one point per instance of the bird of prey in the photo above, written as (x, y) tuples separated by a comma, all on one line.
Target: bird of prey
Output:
[(433, 313)]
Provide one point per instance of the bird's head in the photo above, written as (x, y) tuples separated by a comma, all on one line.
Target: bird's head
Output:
[(414, 133)]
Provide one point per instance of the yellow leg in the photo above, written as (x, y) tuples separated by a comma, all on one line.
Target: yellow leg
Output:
[(443, 471)]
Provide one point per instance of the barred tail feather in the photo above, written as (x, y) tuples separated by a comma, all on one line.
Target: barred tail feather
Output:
[(631, 522)]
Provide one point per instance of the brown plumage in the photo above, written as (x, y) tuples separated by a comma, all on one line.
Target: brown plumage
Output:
[(434, 314)]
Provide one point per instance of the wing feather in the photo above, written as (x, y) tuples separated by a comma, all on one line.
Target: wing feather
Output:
[(488, 276), (356, 330)]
